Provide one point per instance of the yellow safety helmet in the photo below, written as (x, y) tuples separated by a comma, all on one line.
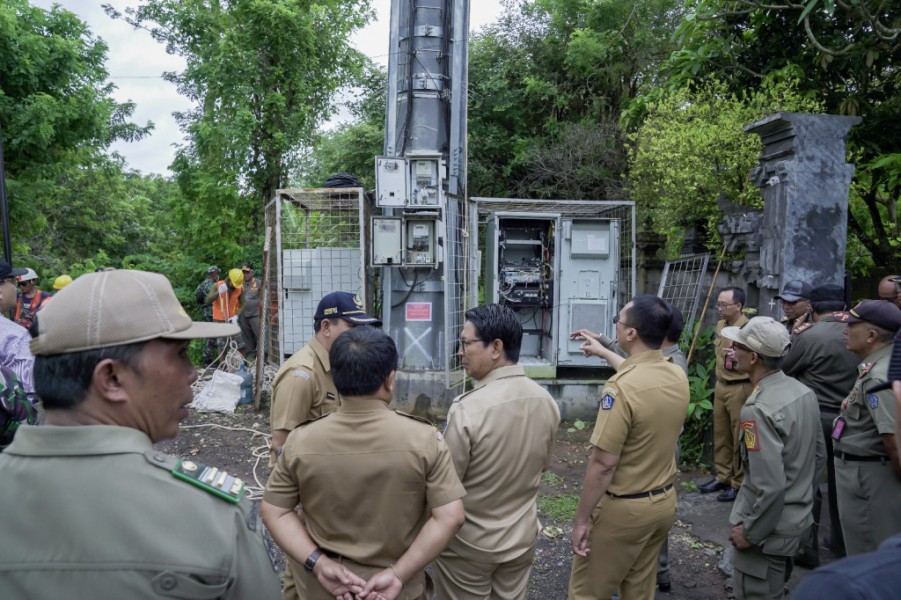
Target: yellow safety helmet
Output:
[(236, 277), (61, 282)]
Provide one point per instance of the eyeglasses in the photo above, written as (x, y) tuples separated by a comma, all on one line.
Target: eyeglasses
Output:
[(616, 320), (464, 343), (725, 304)]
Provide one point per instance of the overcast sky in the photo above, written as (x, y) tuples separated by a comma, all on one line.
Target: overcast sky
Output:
[(135, 63)]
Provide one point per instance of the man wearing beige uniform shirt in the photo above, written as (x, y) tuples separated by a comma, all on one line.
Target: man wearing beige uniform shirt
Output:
[(501, 436), (379, 492), (628, 502), (303, 387)]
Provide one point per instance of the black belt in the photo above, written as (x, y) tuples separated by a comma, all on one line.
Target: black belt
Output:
[(854, 457), (656, 492)]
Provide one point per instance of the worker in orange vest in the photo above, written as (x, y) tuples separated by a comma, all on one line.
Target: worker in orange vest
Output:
[(227, 301), (30, 299)]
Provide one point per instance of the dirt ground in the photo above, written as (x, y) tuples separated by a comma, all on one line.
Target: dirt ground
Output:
[(237, 443)]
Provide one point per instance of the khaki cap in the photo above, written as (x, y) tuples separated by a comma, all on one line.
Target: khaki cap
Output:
[(112, 308), (763, 335)]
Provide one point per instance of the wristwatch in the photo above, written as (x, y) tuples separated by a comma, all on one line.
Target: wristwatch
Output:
[(310, 562)]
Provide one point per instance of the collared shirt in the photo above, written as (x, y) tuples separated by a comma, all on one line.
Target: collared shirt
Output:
[(781, 438), (501, 437), (674, 353), (105, 516), (868, 416), (15, 352), (720, 343), (642, 410), (819, 359), (367, 478), (302, 389)]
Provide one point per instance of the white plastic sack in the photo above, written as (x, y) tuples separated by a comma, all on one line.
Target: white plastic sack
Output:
[(221, 394)]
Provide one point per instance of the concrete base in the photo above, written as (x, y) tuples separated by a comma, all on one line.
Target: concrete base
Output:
[(426, 394)]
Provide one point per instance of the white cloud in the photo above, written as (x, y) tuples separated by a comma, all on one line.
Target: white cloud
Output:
[(136, 62)]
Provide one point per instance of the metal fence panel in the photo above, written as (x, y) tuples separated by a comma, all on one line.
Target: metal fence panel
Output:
[(681, 283)]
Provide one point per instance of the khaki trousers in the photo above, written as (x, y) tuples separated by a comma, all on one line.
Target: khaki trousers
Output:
[(458, 578), (307, 586), (759, 576), (727, 402), (868, 497), (625, 540)]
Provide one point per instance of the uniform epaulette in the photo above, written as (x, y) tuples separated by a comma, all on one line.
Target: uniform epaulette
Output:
[(802, 327), (210, 479), (420, 419), (619, 374)]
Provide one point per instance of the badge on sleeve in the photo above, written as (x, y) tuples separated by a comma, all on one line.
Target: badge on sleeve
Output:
[(299, 373), (749, 435), (607, 402), (873, 399)]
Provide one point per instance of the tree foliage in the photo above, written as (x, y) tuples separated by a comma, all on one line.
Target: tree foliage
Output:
[(691, 150), (843, 53)]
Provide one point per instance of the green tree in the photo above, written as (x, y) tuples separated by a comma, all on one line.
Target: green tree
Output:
[(691, 150), (262, 74), (58, 120), (846, 55)]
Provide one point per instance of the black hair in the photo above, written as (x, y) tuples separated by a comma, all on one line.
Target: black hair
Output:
[(677, 324), (496, 322), (361, 359), (738, 294), (62, 381), (827, 306), (650, 317)]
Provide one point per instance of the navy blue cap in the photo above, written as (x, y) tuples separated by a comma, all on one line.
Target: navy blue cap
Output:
[(878, 312), (827, 293), (7, 271), (795, 290), (344, 305)]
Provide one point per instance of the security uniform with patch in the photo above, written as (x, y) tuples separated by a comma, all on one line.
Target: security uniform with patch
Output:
[(867, 477), (107, 516)]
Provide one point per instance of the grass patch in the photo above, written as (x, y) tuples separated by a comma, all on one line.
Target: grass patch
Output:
[(689, 486), (558, 508), (551, 479)]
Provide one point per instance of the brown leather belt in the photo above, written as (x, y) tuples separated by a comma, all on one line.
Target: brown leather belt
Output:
[(656, 492)]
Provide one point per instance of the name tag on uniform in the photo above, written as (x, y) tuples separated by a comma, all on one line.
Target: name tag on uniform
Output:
[(607, 402), (330, 395), (838, 428)]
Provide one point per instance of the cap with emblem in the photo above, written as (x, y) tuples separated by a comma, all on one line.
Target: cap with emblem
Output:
[(213, 269), (878, 312), (112, 308), (344, 305), (762, 335), (795, 290)]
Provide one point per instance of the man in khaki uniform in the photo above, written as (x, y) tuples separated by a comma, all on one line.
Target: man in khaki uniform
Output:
[(379, 492), (782, 451), (867, 466), (628, 503), (729, 394), (106, 515), (303, 387), (501, 437)]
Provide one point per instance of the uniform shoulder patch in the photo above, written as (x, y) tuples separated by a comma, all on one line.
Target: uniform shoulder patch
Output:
[(210, 479), (300, 373), (802, 328), (415, 418), (749, 435), (607, 402), (873, 400)]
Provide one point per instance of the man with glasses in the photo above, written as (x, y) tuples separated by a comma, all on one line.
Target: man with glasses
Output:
[(628, 502), (14, 339), (501, 437), (867, 463), (732, 389), (795, 299), (782, 451)]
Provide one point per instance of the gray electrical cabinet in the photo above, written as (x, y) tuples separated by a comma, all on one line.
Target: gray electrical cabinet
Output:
[(559, 274)]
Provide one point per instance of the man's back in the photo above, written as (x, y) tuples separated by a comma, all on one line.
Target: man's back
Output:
[(501, 437), (106, 518), (366, 477), (819, 359)]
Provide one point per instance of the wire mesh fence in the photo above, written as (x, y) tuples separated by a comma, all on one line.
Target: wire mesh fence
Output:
[(681, 282), (318, 245)]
